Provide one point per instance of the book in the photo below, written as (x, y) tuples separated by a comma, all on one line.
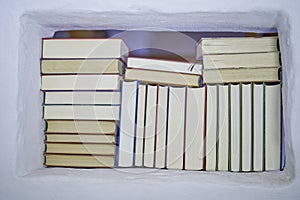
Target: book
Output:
[(241, 75), (81, 161), (84, 48), (80, 138), (223, 128), (82, 127), (211, 128), (164, 65), (272, 127), (127, 130), (161, 127), (82, 97), (231, 45), (73, 148), (175, 126), (258, 127), (235, 127), (150, 126), (162, 77), (194, 146), (246, 60), (140, 124), (82, 66), (81, 112), (80, 82), (246, 135)]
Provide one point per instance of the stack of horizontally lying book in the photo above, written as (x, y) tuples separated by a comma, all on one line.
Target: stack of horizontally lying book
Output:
[(243, 110), (81, 84), (239, 59), (162, 115)]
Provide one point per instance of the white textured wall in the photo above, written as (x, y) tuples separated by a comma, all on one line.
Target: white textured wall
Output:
[(23, 23)]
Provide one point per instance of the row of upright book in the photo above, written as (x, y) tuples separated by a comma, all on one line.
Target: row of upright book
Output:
[(105, 109)]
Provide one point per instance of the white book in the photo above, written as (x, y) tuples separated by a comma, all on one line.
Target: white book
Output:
[(211, 128), (161, 127), (176, 120), (81, 82), (272, 127), (127, 124), (150, 126), (258, 128), (79, 112), (195, 114), (164, 65), (246, 128), (235, 127), (140, 124), (84, 48), (86, 97), (223, 126)]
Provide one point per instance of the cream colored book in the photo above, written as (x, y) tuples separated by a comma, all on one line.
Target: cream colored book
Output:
[(272, 127), (211, 76), (84, 48), (82, 66), (161, 127), (231, 45), (140, 125), (81, 82), (85, 126), (246, 60), (65, 148), (211, 128), (82, 138), (162, 77), (82, 112), (258, 127), (194, 135), (223, 128), (82, 97), (91, 161), (176, 121), (150, 126)]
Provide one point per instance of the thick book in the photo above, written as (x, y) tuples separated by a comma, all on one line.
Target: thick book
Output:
[(258, 127), (251, 60), (212, 76), (231, 45), (175, 126), (82, 66), (194, 134), (140, 124), (162, 77), (84, 48), (246, 135), (82, 112), (223, 128), (161, 127), (80, 138), (164, 65), (82, 97), (77, 148), (211, 128), (82, 127), (80, 161), (272, 127), (127, 130), (150, 126), (81, 82), (235, 127)]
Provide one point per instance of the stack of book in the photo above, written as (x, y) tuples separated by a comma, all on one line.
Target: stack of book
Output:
[(239, 59), (81, 84)]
